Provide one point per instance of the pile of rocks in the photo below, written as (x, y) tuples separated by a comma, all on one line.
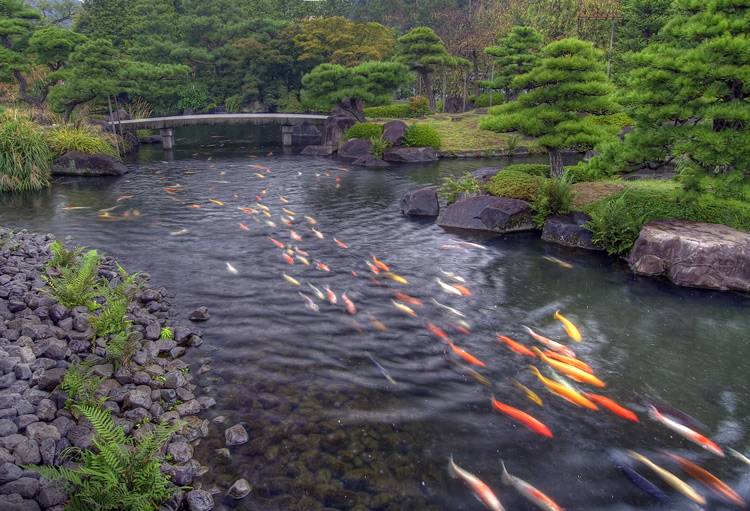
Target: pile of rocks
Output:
[(40, 339)]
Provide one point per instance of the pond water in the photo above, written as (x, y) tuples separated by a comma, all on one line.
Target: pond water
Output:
[(327, 429)]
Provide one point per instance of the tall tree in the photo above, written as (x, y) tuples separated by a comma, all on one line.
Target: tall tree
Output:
[(16, 26), (566, 90), (515, 54), (424, 52)]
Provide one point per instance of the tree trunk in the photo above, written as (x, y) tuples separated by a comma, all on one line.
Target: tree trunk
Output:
[(350, 107), (23, 93), (427, 80), (555, 163)]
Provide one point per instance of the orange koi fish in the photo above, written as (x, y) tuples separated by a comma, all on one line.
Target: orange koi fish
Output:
[(311, 220), (580, 364), (322, 266), (372, 267), (350, 307), (380, 264), (572, 372), (296, 237), (276, 242), (403, 297), (437, 332), (340, 243), (244, 227), (685, 431), (531, 494), (468, 357), (478, 487), (569, 327), (533, 396), (283, 199), (708, 479), (549, 343), (404, 308), (331, 296), (524, 418), (194, 206), (515, 346), (612, 406), (569, 394), (289, 212), (287, 258), (216, 201), (377, 324)]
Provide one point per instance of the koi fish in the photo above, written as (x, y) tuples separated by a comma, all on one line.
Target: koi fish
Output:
[(449, 309), (685, 431), (283, 199), (296, 237), (380, 264), (395, 278), (671, 479), (478, 487), (580, 364), (244, 227), (377, 324), (569, 394), (612, 406), (468, 357), (311, 220), (549, 343), (571, 372), (179, 233), (448, 288), (276, 242), (559, 262), (403, 297), (744, 459), (309, 303), (317, 292), (303, 260), (287, 258), (286, 220), (75, 208), (515, 346), (531, 494), (331, 296), (322, 266), (453, 276), (708, 479), (533, 396), (290, 279), (469, 244), (248, 211), (382, 370), (462, 289), (524, 418), (317, 233), (231, 269), (351, 309), (340, 243), (569, 327), (437, 332), (259, 175), (479, 377), (463, 327), (216, 201), (301, 252), (195, 206), (271, 224), (289, 212), (404, 308), (124, 197), (372, 267)]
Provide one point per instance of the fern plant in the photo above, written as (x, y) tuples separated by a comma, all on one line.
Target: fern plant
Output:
[(129, 285), (63, 257), (452, 188), (76, 285), (120, 473), (112, 318), (120, 349), (167, 333), (80, 385)]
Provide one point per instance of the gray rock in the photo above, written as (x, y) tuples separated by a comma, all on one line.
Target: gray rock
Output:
[(27, 453), (240, 489), (14, 502), (74, 163), (236, 435), (420, 202), (487, 213), (181, 452), (370, 160), (22, 372), (47, 449), (410, 154), (26, 487), (199, 500), (9, 472), (46, 410), (24, 420), (80, 436), (40, 431), (7, 427), (569, 230), (192, 407), (51, 378), (103, 370), (199, 314), (394, 132), (58, 312), (318, 150), (355, 148), (138, 397), (50, 494), (485, 173)]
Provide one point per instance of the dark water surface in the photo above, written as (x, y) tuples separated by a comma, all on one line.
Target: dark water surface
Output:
[(327, 429)]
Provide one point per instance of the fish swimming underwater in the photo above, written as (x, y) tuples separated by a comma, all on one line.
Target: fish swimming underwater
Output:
[(522, 417), (569, 327), (531, 494), (479, 488), (231, 269)]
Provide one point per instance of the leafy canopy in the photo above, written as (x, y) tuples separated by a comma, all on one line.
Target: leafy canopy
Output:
[(422, 50), (514, 54)]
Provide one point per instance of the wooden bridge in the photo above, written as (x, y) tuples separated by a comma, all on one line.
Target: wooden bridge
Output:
[(166, 125)]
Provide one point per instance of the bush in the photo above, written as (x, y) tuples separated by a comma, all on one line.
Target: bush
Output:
[(194, 97), (69, 138), (515, 185), (419, 106), (533, 169), (483, 100), (392, 111), (422, 135), (379, 145), (466, 184), (364, 130), (555, 198), (233, 104), (25, 156), (63, 257), (615, 226)]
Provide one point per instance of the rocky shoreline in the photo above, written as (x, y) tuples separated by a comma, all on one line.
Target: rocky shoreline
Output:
[(40, 339)]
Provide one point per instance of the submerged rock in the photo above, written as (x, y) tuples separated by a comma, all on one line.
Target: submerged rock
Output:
[(569, 230), (694, 254), (370, 160), (74, 163), (410, 154), (199, 314), (236, 435), (199, 500), (420, 202), (487, 213), (240, 489)]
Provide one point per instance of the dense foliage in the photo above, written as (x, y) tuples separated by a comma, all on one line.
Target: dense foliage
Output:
[(466, 185), (24, 154), (422, 135), (64, 138), (364, 130), (514, 54), (515, 185), (424, 52)]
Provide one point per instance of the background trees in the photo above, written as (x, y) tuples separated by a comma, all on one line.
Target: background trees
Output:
[(515, 54), (424, 52)]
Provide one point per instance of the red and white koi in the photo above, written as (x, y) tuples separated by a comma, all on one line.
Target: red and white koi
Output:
[(331, 296), (685, 431), (317, 233), (531, 494), (340, 243), (317, 292), (478, 487), (351, 309), (549, 343), (276, 242), (309, 303), (320, 265), (296, 237)]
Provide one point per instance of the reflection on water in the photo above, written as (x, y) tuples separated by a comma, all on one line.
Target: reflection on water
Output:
[(327, 429)]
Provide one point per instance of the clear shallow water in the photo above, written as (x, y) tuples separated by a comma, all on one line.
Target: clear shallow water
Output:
[(327, 430)]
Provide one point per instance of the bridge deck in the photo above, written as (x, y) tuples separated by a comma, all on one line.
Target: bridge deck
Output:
[(211, 119)]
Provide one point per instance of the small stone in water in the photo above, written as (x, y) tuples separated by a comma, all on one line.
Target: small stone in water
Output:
[(199, 314), (240, 489), (236, 435), (199, 500)]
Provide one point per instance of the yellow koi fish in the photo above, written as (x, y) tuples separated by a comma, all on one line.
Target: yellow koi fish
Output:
[(291, 279), (671, 479), (395, 277), (569, 327), (404, 308), (216, 201), (533, 396)]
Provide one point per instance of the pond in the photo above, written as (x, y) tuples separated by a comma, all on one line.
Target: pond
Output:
[(364, 411)]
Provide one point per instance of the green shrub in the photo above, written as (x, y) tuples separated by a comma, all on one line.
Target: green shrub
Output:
[(466, 184), (616, 122), (515, 185), (80, 385), (120, 473), (555, 198), (193, 96), (25, 156), (419, 106), (533, 169), (166, 333), (392, 111), (63, 257), (379, 145), (422, 135), (615, 226), (366, 130), (233, 104), (483, 100), (69, 138), (77, 285), (112, 317)]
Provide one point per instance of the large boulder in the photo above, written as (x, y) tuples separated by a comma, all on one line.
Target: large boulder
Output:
[(394, 132), (569, 230), (334, 129), (421, 202), (694, 254), (410, 154), (355, 148), (487, 213), (370, 160), (74, 163)]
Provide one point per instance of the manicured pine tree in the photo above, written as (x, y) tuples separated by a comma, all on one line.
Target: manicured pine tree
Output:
[(515, 54), (567, 90), (424, 52), (16, 25)]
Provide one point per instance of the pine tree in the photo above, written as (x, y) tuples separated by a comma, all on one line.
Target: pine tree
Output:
[(16, 25), (567, 90), (515, 54), (424, 52)]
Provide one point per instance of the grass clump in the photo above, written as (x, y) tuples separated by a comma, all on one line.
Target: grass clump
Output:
[(555, 198), (533, 169), (25, 156), (166, 333), (366, 130), (483, 100), (452, 187), (77, 285), (422, 135), (71, 138), (120, 472), (515, 185), (379, 145)]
